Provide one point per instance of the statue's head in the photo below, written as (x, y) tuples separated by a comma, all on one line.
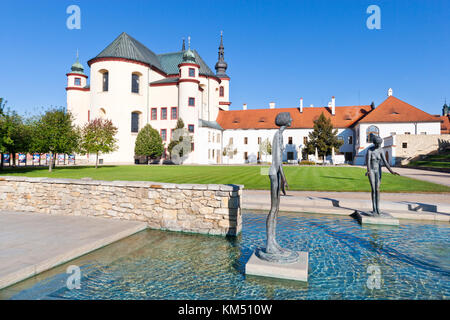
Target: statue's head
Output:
[(375, 139), (283, 119)]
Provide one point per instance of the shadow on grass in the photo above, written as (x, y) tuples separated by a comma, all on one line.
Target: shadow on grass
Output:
[(7, 170), (339, 178)]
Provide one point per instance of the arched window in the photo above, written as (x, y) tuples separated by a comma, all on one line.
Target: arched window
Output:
[(105, 79), (135, 121), (221, 91), (135, 77), (372, 129)]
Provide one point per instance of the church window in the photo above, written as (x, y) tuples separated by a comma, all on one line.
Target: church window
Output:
[(191, 102), (173, 113), (135, 122), (164, 134), (245, 140), (105, 80), (218, 138), (221, 91), (305, 140), (78, 81), (191, 72), (135, 83), (372, 129), (290, 140), (163, 113), (191, 128), (154, 114)]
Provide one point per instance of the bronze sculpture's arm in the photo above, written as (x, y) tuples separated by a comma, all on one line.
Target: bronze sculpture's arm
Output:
[(386, 163), (284, 184), (367, 161)]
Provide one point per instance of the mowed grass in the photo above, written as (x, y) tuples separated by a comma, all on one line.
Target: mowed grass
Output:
[(299, 177)]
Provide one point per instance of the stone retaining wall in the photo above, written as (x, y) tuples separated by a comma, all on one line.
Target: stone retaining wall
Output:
[(199, 208)]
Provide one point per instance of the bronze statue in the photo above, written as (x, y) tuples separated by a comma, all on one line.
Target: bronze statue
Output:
[(273, 251), (374, 159)]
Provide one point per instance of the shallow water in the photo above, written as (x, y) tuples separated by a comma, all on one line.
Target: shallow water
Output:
[(414, 261)]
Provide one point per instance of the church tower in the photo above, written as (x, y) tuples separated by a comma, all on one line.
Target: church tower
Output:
[(445, 109), (78, 93), (221, 68), (189, 99)]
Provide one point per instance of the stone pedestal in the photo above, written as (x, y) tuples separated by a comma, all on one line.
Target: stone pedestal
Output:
[(384, 218), (291, 271)]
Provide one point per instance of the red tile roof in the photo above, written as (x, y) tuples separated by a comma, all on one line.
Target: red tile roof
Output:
[(396, 110), (445, 124), (265, 118)]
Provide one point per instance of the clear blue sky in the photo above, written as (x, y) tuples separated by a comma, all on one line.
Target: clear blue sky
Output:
[(276, 50)]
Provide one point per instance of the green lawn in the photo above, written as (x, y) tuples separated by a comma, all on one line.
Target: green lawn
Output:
[(434, 164), (299, 177)]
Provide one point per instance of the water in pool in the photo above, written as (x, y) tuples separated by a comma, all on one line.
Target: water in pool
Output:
[(414, 261)]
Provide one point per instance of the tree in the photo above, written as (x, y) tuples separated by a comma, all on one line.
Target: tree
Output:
[(98, 136), (180, 144), (55, 133), (15, 134), (265, 147), (148, 143), (323, 137)]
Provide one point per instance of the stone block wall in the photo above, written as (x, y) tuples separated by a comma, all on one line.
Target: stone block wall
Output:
[(198, 208)]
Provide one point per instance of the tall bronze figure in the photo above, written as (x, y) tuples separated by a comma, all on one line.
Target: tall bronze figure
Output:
[(374, 160), (273, 251)]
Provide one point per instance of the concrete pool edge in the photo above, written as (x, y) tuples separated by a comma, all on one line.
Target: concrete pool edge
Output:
[(30, 270), (399, 214)]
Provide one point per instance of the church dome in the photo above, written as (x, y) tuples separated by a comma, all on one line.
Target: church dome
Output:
[(189, 56), (77, 67)]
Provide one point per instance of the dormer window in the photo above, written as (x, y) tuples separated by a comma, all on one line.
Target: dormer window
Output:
[(262, 119), (236, 120), (191, 72), (78, 81)]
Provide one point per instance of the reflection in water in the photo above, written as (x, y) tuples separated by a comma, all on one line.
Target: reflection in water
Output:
[(414, 260)]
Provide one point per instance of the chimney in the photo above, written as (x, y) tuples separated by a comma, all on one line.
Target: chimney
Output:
[(301, 105), (244, 106), (333, 105), (272, 105), (390, 92)]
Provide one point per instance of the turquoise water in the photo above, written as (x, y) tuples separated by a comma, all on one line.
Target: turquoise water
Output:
[(413, 259)]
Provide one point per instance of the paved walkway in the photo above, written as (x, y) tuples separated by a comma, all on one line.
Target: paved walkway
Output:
[(417, 206), (426, 175), (31, 243)]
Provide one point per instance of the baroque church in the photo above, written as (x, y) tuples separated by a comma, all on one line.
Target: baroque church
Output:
[(133, 86)]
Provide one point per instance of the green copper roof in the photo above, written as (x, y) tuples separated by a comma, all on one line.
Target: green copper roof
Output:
[(170, 62), (125, 46), (77, 67)]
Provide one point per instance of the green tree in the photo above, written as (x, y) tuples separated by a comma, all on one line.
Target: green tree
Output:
[(55, 133), (15, 134), (98, 136), (148, 143), (323, 137)]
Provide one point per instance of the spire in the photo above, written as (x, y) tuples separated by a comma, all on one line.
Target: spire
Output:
[(183, 47), (445, 109), (221, 65), (188, 55)]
